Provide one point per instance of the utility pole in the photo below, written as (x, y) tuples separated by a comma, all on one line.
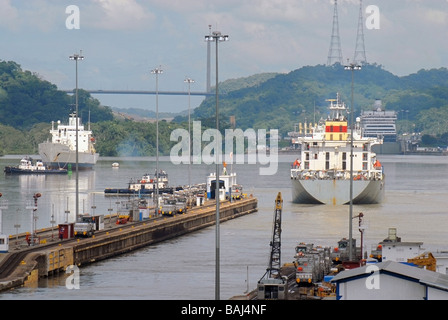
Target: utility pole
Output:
[(217, 37), (77, 57), (351, 67)]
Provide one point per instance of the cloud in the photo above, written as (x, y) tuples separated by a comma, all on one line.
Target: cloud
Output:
[(120, 15), (8, 14), (438, 17)]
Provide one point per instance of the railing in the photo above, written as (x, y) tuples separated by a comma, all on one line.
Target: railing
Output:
[(300, 174)]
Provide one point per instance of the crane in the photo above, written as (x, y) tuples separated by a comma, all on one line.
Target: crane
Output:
[(272, 285), (275, 256)]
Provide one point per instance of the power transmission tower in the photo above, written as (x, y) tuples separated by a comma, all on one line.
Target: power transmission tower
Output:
[(360, 50), (335, 52)]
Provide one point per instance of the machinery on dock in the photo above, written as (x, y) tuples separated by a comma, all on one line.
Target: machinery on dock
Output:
[(340, 254), (181, 204), (426, 260), (168, 207), (272, 285), (312, 263), (237, 192), (85, 227)]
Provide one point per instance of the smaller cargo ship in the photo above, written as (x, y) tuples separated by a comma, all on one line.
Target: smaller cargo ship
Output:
[(28, 166)]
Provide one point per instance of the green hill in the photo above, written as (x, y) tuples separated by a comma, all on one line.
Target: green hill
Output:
[(28, 104), (26, 99), (286, 99)]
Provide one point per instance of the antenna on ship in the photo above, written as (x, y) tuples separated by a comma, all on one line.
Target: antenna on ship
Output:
[(335, 52), (360, 50)]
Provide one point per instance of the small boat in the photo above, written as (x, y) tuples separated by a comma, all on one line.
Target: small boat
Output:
[(147, 185), (115, 165), (27, 166)]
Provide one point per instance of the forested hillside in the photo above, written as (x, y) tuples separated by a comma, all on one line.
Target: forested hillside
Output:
[(28, 104), (299, 96), (26, 99)]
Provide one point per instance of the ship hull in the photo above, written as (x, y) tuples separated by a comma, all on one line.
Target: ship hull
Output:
[(58, 155), (337, 192), (14, 170)]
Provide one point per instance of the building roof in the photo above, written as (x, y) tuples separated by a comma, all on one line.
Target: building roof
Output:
[(426, 277), (399, 243)]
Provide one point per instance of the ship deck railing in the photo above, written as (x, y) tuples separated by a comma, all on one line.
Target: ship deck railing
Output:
[(305, 174)]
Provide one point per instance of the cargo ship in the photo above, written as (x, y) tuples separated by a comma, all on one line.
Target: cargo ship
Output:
[(61, 150), (323, 173)]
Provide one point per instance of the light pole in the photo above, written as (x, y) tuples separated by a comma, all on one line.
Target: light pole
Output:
[(217, 37), (189, 81), (33, 207), (157, 71), (3, 205), (352, 67), (77, 57)]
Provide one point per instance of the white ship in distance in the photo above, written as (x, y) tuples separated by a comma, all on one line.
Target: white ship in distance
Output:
[(61, 150)]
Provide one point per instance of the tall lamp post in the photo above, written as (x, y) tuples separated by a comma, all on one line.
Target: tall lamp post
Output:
[(217, 37), (189, 81), (77, 57), (351, 67), (157, 71)]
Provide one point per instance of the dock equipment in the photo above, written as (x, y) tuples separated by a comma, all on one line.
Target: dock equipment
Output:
[(272, 285), (426, 260)]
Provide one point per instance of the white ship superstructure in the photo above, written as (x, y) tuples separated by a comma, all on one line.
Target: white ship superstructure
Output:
[(61, 150), (379, 123), (322, 174)]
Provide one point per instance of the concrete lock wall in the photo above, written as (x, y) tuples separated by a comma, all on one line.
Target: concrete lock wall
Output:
[(54, 259), (149, 233)]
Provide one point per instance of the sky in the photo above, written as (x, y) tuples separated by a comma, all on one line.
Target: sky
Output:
[(123, 40)]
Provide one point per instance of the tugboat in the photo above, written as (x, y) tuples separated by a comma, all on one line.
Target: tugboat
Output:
[(27, 166), (146, 185), (322, 175)]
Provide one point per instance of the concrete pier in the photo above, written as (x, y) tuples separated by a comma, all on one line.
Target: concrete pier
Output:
[(28, 265)]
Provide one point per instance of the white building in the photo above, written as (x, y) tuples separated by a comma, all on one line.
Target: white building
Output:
[(226, 181), (393, 249), (390, 280), (400, 251), (442, 261)]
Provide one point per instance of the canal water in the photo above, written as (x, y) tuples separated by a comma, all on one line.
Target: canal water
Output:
[(184, 268)]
